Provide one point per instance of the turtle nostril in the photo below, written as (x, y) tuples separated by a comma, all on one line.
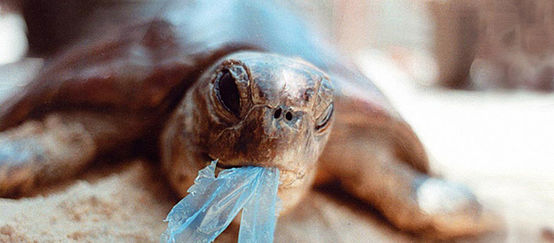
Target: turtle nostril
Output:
[(277, 113), (288, 116)]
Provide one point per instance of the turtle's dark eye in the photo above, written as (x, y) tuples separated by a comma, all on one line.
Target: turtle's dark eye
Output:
[(228, 93), (324, 119)]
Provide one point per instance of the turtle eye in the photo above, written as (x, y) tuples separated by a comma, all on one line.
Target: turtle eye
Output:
[(228, 92), (323, 120)]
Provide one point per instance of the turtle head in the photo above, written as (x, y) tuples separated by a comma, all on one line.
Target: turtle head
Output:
[(252, 108)]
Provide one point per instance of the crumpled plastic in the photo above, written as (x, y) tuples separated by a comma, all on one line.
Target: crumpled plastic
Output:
[(213, 202)]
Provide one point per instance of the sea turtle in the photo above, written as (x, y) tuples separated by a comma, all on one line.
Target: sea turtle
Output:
[(240, 81)]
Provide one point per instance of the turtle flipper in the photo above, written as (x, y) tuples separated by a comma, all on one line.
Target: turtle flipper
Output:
[(39, 152), (371, 159), (138, 68)]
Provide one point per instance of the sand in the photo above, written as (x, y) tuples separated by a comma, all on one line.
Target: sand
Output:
[(127, 202), (125, 206)]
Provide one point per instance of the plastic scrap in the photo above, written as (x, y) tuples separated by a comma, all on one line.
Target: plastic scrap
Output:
[(213, 203)]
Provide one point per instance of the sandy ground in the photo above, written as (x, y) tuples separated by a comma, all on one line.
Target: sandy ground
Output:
[(496, 143), (127, 203)]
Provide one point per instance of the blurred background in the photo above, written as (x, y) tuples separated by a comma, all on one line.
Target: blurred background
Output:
[(473, 77), (465, 44)]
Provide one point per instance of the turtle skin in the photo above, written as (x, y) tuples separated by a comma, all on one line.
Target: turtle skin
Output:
[(132, 84)]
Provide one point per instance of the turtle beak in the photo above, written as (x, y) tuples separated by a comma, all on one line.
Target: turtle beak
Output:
[(222, 165)]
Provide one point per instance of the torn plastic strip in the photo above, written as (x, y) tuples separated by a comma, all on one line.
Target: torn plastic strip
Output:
[(213, 203)]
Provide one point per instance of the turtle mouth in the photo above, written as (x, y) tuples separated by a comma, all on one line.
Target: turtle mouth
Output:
[(220, 164), (289, 176), (223, 164)]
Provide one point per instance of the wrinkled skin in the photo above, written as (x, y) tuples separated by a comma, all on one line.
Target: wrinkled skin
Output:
[(252, 89)]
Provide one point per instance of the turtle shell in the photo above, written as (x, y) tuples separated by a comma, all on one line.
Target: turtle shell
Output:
[(147, 67)]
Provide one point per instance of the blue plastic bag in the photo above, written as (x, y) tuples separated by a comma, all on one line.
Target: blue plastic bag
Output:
[(213, 203)]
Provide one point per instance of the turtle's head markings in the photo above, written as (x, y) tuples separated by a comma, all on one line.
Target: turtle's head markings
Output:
[(253, 108)]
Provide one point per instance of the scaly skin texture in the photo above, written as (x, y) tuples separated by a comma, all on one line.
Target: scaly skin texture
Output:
[(217, 99)]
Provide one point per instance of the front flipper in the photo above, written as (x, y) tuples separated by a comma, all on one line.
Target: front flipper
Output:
[(378, 159), (38, 152)]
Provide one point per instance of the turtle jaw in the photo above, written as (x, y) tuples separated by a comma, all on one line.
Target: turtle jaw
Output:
[(224, 167), (293, 184), (289, 177)]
